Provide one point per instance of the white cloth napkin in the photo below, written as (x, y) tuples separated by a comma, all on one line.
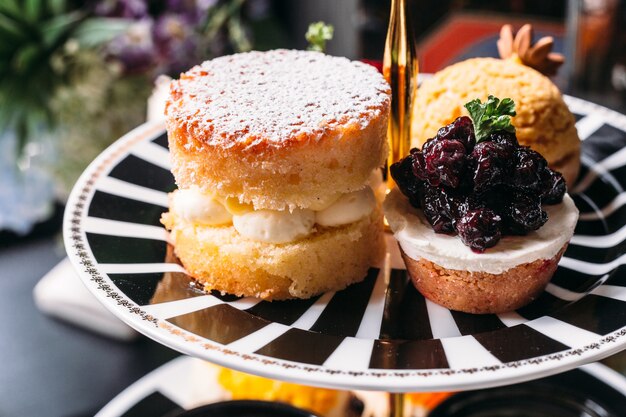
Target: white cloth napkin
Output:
[(61, 294)]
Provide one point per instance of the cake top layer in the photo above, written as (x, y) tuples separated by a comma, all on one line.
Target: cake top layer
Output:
[(275, 97)]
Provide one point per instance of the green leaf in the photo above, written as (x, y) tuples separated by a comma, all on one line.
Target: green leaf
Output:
[(97, 30), (237, 35), (492, 116), (22, 113), (11, 30), (215, 21), (219, 15), (10, 7), (60, 27), (32, 10), (57, 6), (24, 58), (317, 35)]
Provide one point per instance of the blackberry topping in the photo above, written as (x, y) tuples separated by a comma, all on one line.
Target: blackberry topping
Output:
[(479, 229), (462, 129), (529, 165), (444, 163), (492, 163), (442, 207), (409, 185), (552, 187), (475, 180), (523, 214), (505, 138)]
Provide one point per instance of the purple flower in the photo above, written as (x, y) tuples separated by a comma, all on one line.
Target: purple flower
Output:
[(128, 9), (194, 11), (135, 49), (204, 5), (170, 28), (175, 42), (168, 38)]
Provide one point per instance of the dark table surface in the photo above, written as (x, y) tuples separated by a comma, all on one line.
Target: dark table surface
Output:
[(49, 368)]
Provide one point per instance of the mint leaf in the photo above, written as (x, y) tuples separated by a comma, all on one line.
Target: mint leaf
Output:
[(317, 35), (492, 116)]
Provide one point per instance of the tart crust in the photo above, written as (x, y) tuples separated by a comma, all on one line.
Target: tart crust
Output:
[(481, 292)]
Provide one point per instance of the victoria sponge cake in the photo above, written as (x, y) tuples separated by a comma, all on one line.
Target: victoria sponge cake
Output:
[(273, 154)]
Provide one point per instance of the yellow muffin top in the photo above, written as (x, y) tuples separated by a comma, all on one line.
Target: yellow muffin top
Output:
[(543, 120)]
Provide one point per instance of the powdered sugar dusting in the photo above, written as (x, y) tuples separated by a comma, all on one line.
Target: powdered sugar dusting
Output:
[(275, 97)]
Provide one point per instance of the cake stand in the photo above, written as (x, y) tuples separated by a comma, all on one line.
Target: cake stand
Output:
[(380, 334)]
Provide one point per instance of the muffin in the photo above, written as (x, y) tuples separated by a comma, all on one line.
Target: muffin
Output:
[(481, 221), (272, 153), (543, 120)]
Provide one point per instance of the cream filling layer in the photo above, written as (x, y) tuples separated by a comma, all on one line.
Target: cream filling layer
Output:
[(194, 206), (271, 226), (418, 239)]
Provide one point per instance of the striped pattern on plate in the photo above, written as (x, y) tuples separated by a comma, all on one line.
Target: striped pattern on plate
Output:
[(378, 334)]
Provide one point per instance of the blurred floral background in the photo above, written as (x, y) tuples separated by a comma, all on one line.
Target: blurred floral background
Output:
[(75, 75)]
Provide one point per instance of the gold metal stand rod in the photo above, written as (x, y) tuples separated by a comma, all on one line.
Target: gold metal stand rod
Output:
[(396, 404), (400, 68)]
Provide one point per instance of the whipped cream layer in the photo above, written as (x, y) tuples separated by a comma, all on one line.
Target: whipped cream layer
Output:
[(418, 239), (194, 206), (271, 226), (347, 209)]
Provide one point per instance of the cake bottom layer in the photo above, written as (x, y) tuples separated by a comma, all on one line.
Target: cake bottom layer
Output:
[(329, 259)]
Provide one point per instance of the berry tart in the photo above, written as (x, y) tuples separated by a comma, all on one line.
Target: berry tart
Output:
[(481, 221)]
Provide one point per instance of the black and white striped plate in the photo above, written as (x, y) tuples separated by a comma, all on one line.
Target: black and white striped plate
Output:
[(186, 383), (380, 334)]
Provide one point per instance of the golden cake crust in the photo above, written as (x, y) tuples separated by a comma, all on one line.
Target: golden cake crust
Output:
[(279, 129), (330, 259), (481, 292), (543, 120)]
